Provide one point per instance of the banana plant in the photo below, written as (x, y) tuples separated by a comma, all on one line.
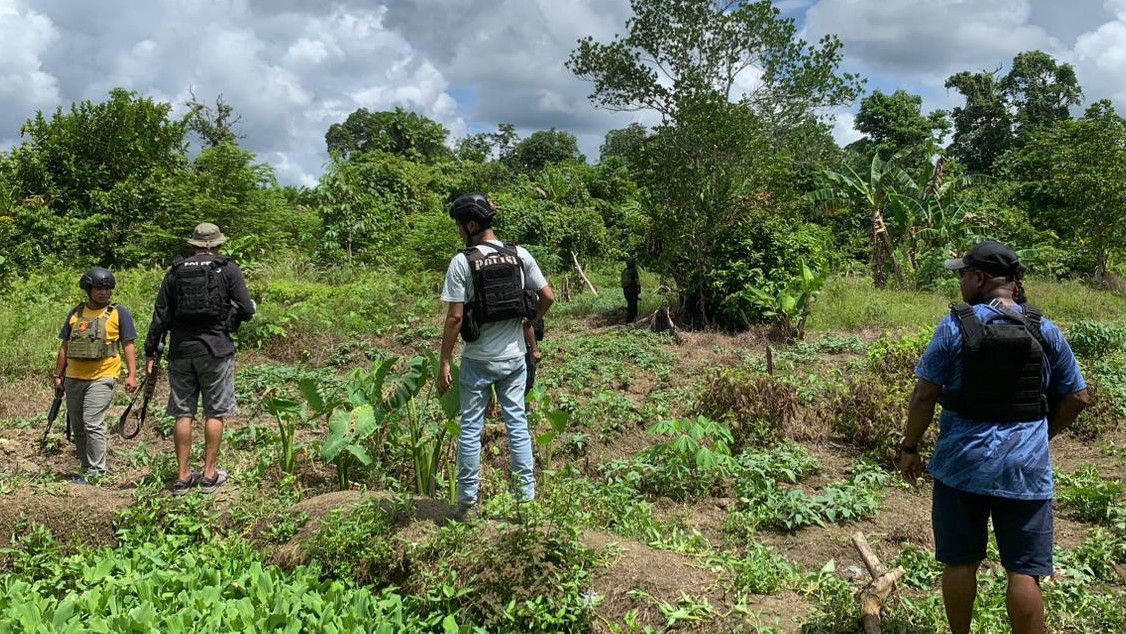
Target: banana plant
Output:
[(791, 305)]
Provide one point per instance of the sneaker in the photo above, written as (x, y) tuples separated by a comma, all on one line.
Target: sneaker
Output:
[(180, 487), (209, 485), (77, 480)]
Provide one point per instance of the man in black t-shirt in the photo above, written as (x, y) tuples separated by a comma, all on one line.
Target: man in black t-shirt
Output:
[(202, 299)]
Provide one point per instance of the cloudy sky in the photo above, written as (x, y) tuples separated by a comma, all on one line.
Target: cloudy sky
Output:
[(293, 67)]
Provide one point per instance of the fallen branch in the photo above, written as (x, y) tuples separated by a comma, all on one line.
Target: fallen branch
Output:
[(873, 595), (582, 275)]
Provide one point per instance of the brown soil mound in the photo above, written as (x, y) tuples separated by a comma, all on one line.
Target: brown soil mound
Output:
[(639, 577), (427, 512), (78, 515)]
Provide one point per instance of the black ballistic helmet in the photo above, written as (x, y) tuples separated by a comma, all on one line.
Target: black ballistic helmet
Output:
[(474, 206), (96, 277)]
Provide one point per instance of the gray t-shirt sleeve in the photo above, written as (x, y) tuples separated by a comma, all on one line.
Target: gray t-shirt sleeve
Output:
[(454, 288), (533, 277)]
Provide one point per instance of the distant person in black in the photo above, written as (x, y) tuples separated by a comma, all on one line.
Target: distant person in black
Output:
[(631, 288), (202, 299)]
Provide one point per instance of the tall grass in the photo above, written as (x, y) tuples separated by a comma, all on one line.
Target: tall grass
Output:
[(852, 303)]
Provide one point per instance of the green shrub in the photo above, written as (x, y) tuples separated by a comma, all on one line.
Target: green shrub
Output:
[(763, 503), (1095, 340), (869, 413), (758, 408), (761, 570), (922, 569), (1093, 498), (520, 578), (358, 542), (695, 462), (894, 356)]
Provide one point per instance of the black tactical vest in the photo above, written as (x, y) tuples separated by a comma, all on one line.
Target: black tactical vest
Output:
[(498, 287), (1002, 367), (201, 294)]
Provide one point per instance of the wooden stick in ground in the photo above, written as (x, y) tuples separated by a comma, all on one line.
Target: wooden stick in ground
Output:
[(873, 595), (579, 269), (871, 562)]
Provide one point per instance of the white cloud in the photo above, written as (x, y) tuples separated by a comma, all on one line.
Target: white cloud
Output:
[(929, 38), (290, 74), (844, 128), (292, 68), (1100, 57), (25, 35)]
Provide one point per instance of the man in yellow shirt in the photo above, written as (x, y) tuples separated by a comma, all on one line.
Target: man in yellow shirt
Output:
[(94, 336)]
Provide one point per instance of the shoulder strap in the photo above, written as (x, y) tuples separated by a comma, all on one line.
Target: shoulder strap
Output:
[(967, 318), (1034, 322), (76, 312)]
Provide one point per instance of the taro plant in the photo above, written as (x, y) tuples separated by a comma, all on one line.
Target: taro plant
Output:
[(344, 446), (290, 415), (405, 422), (429, 440)]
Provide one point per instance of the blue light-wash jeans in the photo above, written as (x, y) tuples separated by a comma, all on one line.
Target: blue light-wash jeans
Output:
[(475, 379)]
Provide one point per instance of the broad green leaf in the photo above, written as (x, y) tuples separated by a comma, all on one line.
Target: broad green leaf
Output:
[(312, 394), (360, 454)]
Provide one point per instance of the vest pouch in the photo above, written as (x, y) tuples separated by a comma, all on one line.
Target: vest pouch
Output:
[(470, 330), (531, 304)]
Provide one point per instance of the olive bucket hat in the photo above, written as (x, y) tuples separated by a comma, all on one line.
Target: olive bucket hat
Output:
[(206, 236)]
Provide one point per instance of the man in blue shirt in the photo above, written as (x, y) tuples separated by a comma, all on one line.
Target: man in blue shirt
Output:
[(991, 458)]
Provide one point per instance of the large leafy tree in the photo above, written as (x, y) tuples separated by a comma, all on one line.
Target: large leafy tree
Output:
[(624, 143), (999, 112), (543, 148), (1040, 91), (896, 122), (89, 177), (730, 81), (1072, 175), (676, 51), (983, 125), (397, 131)]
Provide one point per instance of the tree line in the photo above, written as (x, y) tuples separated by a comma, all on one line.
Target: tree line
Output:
[(739, 196)]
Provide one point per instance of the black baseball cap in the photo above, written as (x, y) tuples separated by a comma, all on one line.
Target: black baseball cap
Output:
[(989, 257)]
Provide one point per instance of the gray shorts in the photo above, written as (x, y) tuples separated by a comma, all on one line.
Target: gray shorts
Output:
[(206, 375)]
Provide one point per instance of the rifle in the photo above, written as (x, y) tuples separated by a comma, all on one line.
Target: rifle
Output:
[(51, 416), (147, 388)]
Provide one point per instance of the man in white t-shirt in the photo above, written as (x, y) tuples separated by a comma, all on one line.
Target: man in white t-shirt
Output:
[(493, 355)]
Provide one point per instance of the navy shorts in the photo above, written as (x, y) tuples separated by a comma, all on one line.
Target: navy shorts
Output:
[(1023, 529)]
